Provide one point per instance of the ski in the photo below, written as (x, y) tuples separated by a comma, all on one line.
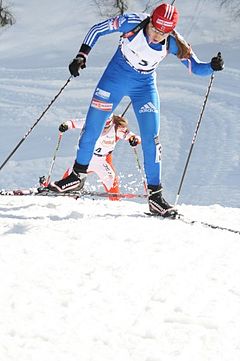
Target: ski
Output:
[(113, 195), (19, 192), (182, 218), (178, 217), (86, 193), (43, 191), (213, 226)]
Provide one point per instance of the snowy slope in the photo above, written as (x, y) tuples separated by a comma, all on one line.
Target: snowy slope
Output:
[(99, 281)]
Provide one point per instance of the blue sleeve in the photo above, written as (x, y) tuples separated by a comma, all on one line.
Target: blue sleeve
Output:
[(194, 65), (121, 23)]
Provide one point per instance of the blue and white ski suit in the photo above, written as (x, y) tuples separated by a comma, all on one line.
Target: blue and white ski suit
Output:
[(131, 72)]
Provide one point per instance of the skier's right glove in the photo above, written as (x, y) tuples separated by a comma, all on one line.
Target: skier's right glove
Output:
[(134, 140), (63, 127), (78, 63)]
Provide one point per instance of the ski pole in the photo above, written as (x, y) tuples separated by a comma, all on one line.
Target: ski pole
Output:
[(140, 169), (127, 107), (36, 122), (194, 137), (54, 158)]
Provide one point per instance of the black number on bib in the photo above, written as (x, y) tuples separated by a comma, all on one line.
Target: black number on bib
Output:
[(143, 63)]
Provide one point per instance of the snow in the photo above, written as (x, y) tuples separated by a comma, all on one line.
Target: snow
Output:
[(99, 280), (96, 280)]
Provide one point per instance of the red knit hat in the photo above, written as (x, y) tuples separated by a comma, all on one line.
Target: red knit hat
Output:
[(165, 17)]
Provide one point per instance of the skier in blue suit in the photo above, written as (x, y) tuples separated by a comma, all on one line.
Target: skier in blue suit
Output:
[(144, 43)]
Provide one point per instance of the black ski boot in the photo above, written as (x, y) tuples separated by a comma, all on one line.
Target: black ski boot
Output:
[(74, 182), (157, 203)]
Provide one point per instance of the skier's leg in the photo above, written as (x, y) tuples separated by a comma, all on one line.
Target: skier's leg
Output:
[(115, 186), (147, 110), (102, 166), (105, 99)]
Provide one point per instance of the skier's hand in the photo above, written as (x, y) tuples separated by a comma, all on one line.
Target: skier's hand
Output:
[(134, 140), (63, 127), (217, 62), (78, 63)]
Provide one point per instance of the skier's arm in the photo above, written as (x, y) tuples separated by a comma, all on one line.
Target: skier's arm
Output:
[(126, 134), (72, 124), (194, 65), (121, 23), (197, 66)]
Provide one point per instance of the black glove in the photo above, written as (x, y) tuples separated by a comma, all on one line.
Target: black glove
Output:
[(217, 62), (133, 141), (76, 64), (63, 127)]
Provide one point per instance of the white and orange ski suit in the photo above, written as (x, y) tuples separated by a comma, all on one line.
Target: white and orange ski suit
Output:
[(101, 161)]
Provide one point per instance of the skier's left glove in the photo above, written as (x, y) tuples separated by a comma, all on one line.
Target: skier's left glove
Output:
[(134, 140), (63, 127), (217, 62), (78, 63)]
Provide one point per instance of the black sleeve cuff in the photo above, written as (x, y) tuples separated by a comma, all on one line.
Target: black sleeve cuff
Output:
[(85, 49)]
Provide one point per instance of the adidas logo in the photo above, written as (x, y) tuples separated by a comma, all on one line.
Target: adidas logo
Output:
[(149, 107)]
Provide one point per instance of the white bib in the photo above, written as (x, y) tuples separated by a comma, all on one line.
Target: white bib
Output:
[(106, 142), (139, 54)]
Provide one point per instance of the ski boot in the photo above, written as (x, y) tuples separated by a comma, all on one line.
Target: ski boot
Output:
[(74, 182), (158, 205)]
